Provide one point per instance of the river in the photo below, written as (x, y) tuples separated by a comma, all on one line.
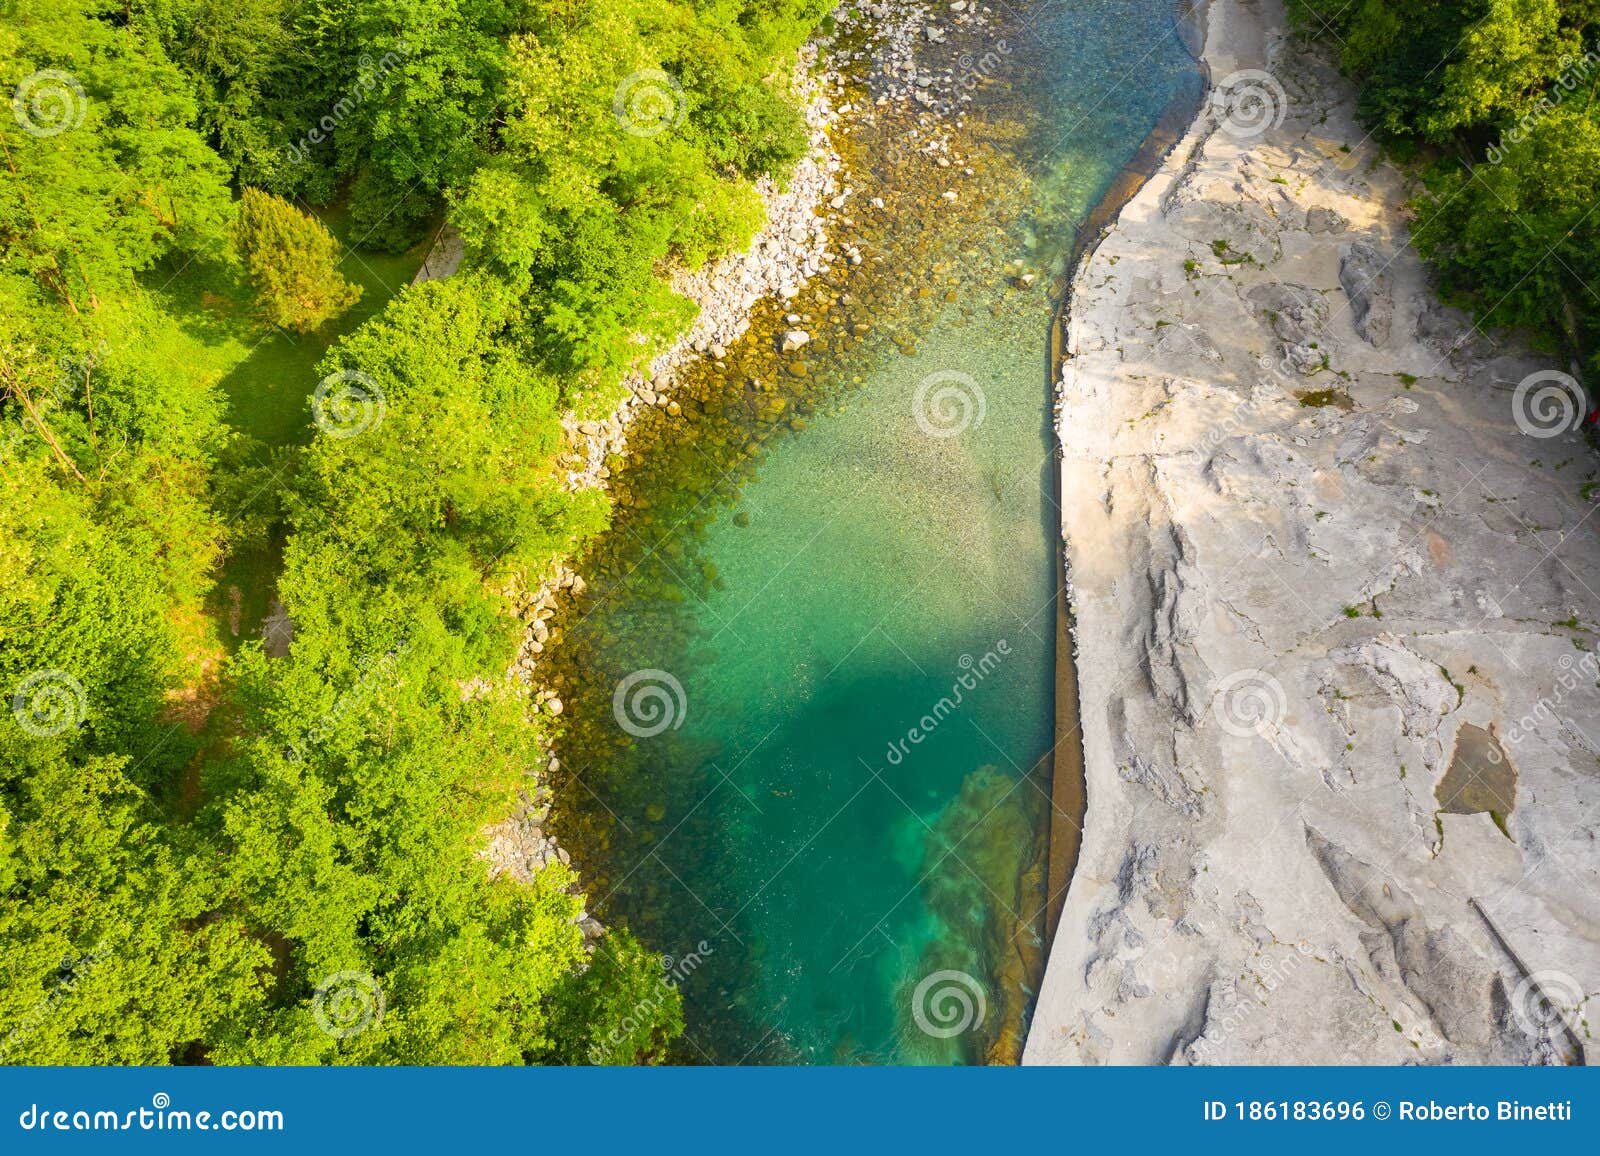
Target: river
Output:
[(810, 688)]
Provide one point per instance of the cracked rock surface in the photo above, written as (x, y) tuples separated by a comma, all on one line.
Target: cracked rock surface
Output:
[(1308, 544)]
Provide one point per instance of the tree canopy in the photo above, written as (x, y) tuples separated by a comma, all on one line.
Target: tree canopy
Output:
[(210, 852), (1501, 94)]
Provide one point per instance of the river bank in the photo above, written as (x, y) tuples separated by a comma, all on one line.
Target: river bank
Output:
[(1334, 626), (1067, 784), (790, 248)]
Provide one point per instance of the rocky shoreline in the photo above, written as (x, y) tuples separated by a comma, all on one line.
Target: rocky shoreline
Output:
[(809, 230), (1335, 634), (1067, 777), (791, 247)]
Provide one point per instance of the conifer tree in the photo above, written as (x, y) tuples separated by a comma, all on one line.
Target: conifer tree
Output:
[(292, 260)]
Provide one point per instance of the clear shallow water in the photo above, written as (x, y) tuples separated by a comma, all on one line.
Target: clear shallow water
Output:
[(821, 572)]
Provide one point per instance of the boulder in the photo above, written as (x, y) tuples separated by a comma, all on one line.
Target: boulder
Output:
[(1297, 316), (1320, 220), (1363, 277)]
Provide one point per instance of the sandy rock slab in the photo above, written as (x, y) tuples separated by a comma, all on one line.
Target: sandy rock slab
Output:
[(1336, 624)]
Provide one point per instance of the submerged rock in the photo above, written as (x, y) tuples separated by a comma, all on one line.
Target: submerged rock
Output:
[(992, 898)]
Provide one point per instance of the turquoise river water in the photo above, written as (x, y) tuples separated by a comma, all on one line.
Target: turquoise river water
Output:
[(826, 610)]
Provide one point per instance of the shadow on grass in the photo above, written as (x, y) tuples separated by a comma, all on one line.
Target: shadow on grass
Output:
[(268, 375)]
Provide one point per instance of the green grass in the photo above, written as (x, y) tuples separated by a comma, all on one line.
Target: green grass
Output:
[(268, 376), (1225, 254), (269, 373)]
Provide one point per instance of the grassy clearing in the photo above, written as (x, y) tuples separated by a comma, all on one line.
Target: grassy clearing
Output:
[(268, 375)]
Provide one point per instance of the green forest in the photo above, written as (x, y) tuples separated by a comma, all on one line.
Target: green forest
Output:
[(219, 389), (1495, 103)]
